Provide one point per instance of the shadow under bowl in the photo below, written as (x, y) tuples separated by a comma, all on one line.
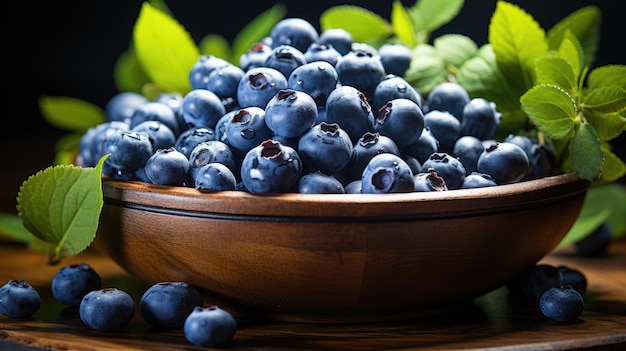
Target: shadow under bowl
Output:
[(336, 257)]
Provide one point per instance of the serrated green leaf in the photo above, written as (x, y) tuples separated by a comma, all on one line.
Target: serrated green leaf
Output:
[(607, 76), (61, 205), (455, 48), (256, 30), (608, 126), (613, 168), (556, 70), (551, 109), (70, 113), (165, 49), (517, 40), (430, 15), (571, 50), (604, 100), (363, 24), (481, 78), (425, 72), (217, 45), (402, 25), (586, 152), (128, 73), (584, 23)]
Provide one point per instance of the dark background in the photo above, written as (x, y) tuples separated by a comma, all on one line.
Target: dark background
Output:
[(68, 48)]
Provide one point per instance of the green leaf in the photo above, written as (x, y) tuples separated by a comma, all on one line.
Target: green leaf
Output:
[(607, 76), (551, 109), (217, 45), (363, 24), (571, 50), (70, 113), (426, 70), (517, 40), (613, 168), (455, 48), (608, 126), (584, 23), (430, 15), (66, 149), (12, 227), (402, 25), (165, 49), (256, 30), (605, 100), (586, 152), (128, 73), (613, 197), (589, 219), (556, 70), (61, 206)]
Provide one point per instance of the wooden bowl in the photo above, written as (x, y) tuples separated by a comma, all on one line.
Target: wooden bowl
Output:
[(336, 258)]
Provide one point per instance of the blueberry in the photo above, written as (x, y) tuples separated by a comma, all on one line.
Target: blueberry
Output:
[(533, 281), (445, 128), (561, 303), (210, 151), (259, 85), (350, 108), (271, 168), (387, 173), (108, 309), (339, 38), (573, 277), (477, 180), (429, 181), (448, 96), (91, 142), (402, 120), (393, 87), (319, 183), (215, 177), (294, 31), (167, 167), (71, 283), (255, 56), (425, 146), (447, 167), (285, 59), (322, 52), (480, 119), (202, 108), (209, 326), (468, 149), (326, 148), (223, 81), (160, 135), (199, 72), (190, 138), (167, 304), (318, 79), (505, 162), (290, 113), (122, 105), (368, 146), (174, 101), (360, 69), (246, 128), (353, 187), (128, 150), (19, 299), (155, 111), (395, 57)]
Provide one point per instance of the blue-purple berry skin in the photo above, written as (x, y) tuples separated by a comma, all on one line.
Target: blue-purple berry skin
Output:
[(562, 303), (19, 299), (448, 96), (71, 283), (271, 168), (202, 108), (387, 173), (505, 162), (402, 120), (108, 309), (448, 167), (294, 31), (167, 167), (326, 148), (290, 113), (209, 326), (319, 183), (259, 85), (215, 177), (167, 304)]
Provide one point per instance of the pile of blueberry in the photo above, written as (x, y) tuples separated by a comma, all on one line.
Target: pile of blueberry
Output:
[(311, 112), (166, 305)]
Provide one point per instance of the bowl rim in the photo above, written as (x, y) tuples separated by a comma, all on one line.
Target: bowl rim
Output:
[(192, 202)]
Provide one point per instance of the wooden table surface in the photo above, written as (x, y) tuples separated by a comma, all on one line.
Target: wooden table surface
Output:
[(493, 321)]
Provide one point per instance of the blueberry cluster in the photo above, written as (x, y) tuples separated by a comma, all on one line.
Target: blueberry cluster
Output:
[(311, 112), (164, 305), (557, 290)]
